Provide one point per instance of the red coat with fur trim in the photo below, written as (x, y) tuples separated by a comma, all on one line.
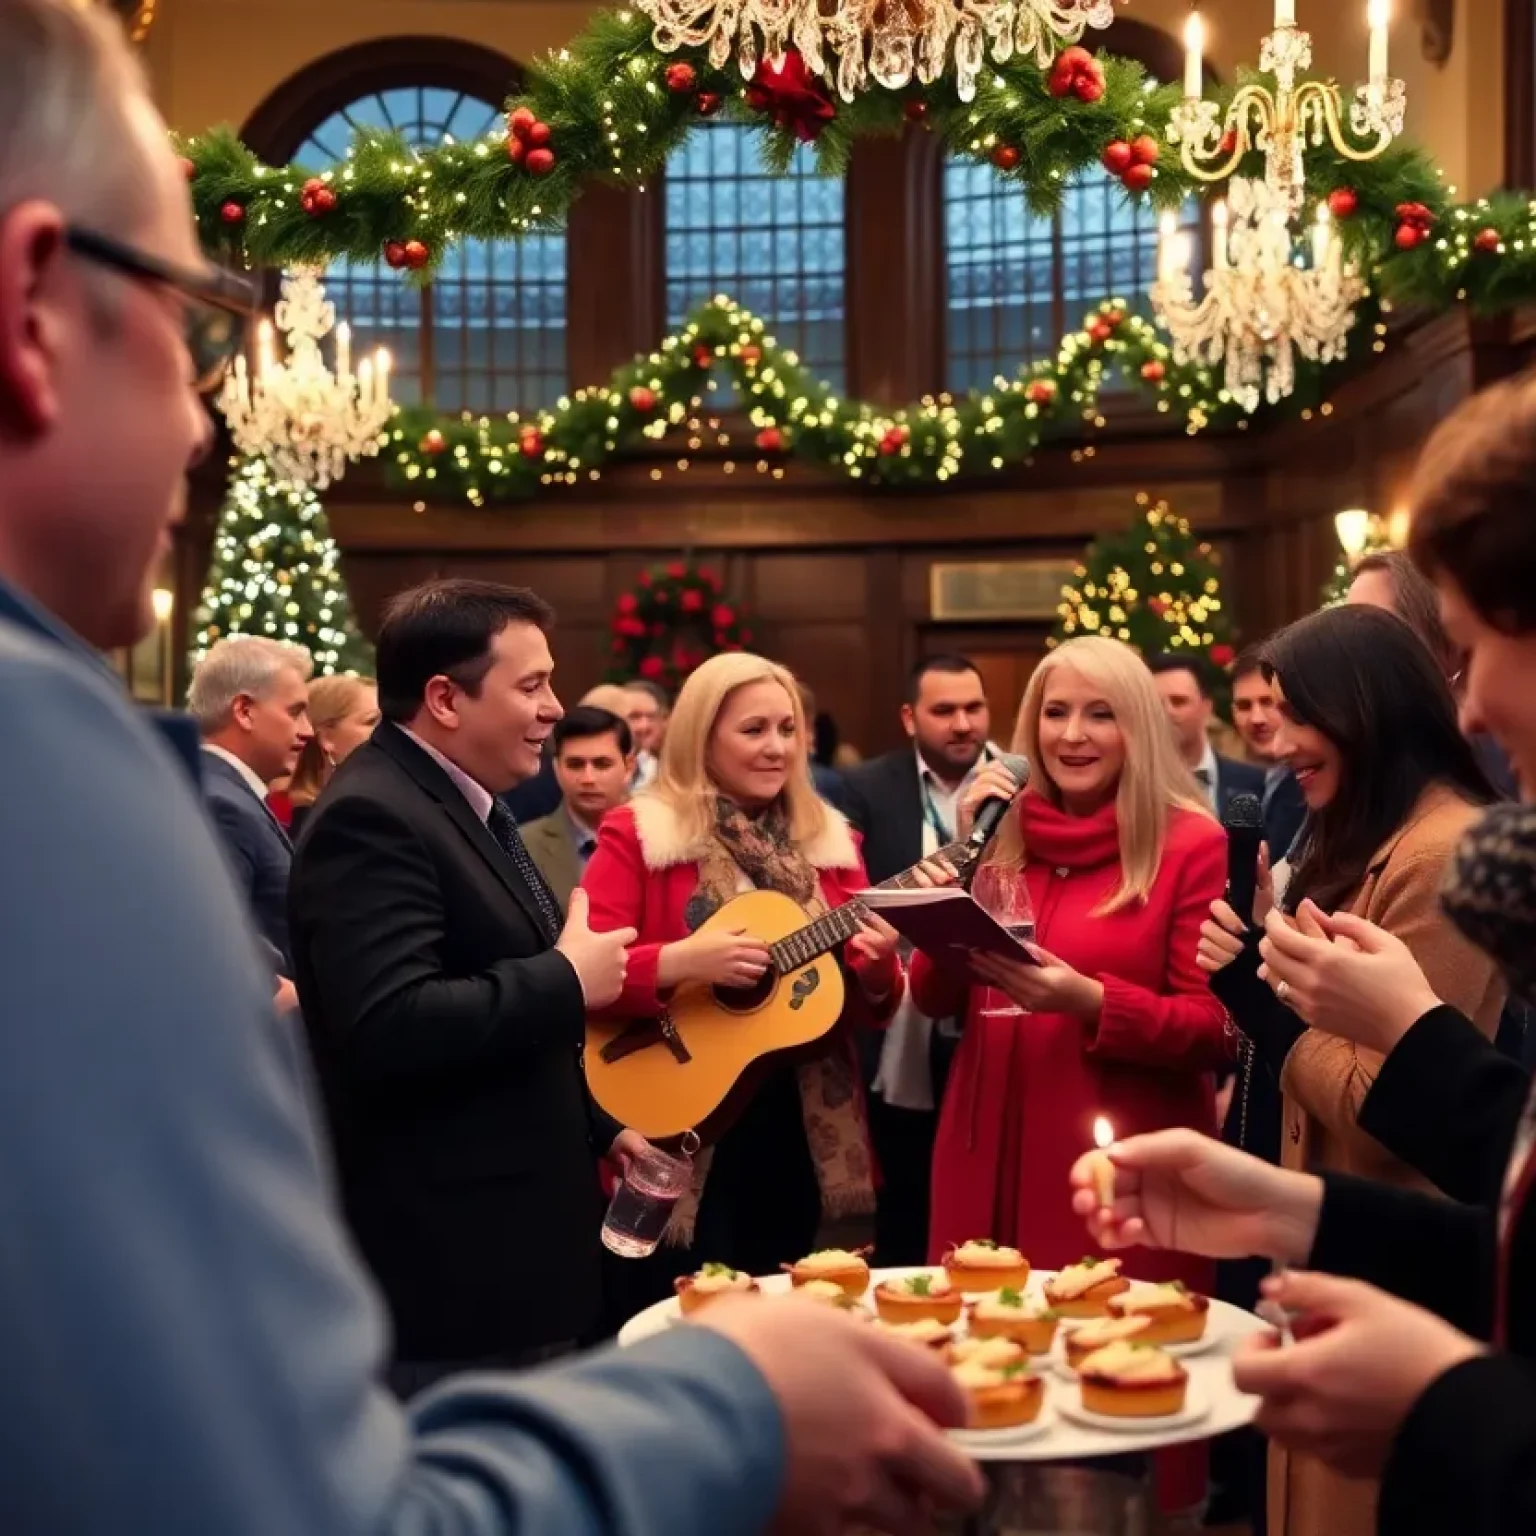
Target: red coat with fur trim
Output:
[(643, 873)]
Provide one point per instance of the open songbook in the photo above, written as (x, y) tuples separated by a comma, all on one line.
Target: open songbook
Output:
[(947, 923)]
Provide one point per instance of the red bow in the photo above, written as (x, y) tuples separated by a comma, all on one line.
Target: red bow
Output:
[(791, 95)]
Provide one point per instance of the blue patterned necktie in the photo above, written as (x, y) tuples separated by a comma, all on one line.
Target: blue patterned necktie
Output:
[(502, 825)]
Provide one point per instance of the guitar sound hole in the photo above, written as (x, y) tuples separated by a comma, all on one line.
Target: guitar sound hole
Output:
[(746, 999)]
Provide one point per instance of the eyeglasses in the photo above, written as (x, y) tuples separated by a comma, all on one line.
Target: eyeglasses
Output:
[(218, 309)]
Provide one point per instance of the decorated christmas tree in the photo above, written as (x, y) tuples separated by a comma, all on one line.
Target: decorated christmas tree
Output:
[(275, 572), (1156, 586)]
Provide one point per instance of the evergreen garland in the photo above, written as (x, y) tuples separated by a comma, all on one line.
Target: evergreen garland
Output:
[(275, 572)]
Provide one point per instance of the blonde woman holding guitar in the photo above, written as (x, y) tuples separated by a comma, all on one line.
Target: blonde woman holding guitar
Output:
[(732, 810)]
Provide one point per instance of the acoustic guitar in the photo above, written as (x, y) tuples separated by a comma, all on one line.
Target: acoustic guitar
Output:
[(679, 1072)]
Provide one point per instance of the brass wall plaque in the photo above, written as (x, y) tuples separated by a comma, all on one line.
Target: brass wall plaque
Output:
[(975, 591)]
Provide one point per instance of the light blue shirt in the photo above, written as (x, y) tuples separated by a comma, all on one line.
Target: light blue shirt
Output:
[(188, 1342)]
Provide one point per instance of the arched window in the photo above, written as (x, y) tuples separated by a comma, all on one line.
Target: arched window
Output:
[(775, 244), (1016, 281), (489, 333)]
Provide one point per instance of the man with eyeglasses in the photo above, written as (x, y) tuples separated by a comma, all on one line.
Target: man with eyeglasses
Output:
[(189, 1344)]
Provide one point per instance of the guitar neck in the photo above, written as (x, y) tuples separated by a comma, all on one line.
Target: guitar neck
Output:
[(823, 934)]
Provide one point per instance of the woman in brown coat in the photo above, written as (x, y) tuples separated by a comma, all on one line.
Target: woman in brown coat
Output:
[(1369, 729)]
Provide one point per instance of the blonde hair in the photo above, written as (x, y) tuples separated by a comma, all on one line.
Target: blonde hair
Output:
[(331, 700), (1154, 781), (682, 780), (609, 696)]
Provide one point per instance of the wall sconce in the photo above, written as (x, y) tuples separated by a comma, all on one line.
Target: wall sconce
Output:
[(1353, 526), (164, 603), (1398, 522)]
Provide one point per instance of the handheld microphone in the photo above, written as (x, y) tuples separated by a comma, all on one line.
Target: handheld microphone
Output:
[(1490, 892), (990, 813), (1244, 823)]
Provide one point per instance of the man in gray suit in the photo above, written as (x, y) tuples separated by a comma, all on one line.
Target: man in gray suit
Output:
[(190, 1346), (594, 762)]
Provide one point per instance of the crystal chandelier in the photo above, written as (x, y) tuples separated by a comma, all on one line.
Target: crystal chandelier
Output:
[(889, 41), (1263, 302), (306, 421), (1283, 121)]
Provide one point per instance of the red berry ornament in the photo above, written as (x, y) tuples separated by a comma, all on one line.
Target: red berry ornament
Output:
[(416, 254), (1229, 142), (1342, 202), (539, 135), (1075, 60), (188, 169), (1005, 157), (1088, 88), (1116, 158), (1153, 372), (517, 150), (915, 110), (1223, 655), (751, 353), (1138, 178), (1059, 81), (394, 254), (894, 441), (707, 103), (1041, 391), (531, 443), (703, 356), (520, 121), (1100, 331), (680, 78), (1488, 240), (770, 440), (642, 399), (1144, 150), (433, 443), (1408, 236), (539, 162), (232, 213)]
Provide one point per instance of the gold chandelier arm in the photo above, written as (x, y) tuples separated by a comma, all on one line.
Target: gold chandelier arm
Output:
[(1314, 96), (1252, 101)]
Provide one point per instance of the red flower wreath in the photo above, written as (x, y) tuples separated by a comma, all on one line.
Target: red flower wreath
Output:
[(674, 619)]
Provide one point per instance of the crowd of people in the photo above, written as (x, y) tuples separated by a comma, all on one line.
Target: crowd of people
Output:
[(304, 1179)]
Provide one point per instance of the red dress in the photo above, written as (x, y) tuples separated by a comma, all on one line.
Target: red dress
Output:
[(1024, 1092)]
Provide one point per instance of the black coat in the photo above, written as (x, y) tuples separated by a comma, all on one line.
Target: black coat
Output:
[(446, 1032), (1447, 1102), (884, 800)]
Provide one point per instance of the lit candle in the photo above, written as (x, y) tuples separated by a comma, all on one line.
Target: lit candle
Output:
[(365, 381), (264, 349), (1285, 13), (344, 350), (1379, 14), (1099, 1165), (381, 375), (1219, 233), (1194, 47), (1320, 234)]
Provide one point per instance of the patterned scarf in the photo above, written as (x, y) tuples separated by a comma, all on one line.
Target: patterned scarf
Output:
[(759, 848)]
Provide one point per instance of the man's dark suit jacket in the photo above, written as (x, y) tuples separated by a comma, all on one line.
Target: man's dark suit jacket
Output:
[(259, 853), (445, 1030), (884, 800)]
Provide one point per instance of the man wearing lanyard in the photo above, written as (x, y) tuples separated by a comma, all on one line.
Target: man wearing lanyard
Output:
[(904, 804)]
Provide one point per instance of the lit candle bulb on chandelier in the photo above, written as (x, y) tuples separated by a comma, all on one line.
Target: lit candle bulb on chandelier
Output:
[(1285, 13), (344, 351), (1379, 14), (265, 350), (381, 375), (1194, 49), (1320, 238), (365, 380), (1219, 233), (1099, 1164)]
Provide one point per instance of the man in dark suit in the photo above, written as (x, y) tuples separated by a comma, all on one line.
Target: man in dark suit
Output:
[(250, 699), (1186, 695), (594, 763), (904, 804), (445, 1000), (1256, 716)]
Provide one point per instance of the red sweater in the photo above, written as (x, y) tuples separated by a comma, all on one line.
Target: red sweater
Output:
[(1024, 1092)]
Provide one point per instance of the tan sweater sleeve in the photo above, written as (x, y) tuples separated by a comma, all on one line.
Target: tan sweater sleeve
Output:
[(1329, 1076)]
